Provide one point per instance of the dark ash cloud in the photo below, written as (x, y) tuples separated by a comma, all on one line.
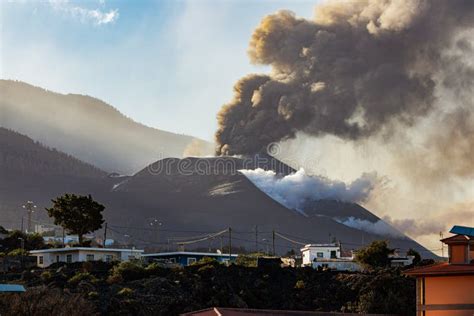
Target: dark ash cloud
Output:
[(353, 70)]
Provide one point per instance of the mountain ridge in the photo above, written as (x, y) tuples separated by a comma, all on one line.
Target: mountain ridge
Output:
[(88, 128)]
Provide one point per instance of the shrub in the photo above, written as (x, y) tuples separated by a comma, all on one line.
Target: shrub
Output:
[(299, 285), (18, 252), (125, 292), (129, 271), (45, 301), (93, 295), (46, 276), (81, 276)]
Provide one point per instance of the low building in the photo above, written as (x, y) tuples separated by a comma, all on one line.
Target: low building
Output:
[(185, 258), (46, 257), (447, 288), (312, 252), (400, 261), (12, 288)]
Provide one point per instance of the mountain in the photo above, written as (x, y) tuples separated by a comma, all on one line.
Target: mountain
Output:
[(89, 129), (31, 171), (191, 197), (210, 194)]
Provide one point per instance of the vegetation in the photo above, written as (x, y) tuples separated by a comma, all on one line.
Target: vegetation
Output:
[(13, 241), (153, 290), (417, 259), (374, 255), (77, 214)]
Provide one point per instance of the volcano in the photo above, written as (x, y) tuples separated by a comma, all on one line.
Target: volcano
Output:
[(190, 197)]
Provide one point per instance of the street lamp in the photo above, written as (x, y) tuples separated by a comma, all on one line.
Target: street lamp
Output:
[(29, 207)]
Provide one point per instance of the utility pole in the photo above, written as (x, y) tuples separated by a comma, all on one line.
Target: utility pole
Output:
[(442, 246), (105, 236), (230, 244), (64, 238), (29, 207), (256, 238), (22, 225), (273, 242)]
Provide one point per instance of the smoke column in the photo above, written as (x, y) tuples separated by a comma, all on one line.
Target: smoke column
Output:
[(358, 68)]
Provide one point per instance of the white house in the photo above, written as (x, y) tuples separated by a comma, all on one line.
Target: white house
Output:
[(328, 256), (311, 252), (46, 257)]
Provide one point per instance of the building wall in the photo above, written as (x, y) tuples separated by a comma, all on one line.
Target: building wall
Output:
[(311, 253), (443, 292), (458, 253)]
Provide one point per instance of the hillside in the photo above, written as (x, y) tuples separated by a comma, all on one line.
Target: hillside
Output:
[(186, 196), (31, 171), (88, 128), (190, 197)]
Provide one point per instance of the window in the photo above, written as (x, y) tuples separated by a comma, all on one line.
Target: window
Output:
[(320, 255), (191, 260), (40, 260), (69, 258), (109, 258), (57, 258), (172, 260), (333, 254), (89, 257)]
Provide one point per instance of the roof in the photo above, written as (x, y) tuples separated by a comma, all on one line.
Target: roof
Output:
[(320, 246), (188, 253), (462, 230), (11, 288), (219, 311), (463, 239), (69, 249), (442, 269)]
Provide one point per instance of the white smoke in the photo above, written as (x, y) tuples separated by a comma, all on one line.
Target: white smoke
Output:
[(294, 190), (378, 228)]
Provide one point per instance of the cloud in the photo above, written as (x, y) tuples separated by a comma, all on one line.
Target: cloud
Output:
[(95, 16), (379, 227), (294, 190)]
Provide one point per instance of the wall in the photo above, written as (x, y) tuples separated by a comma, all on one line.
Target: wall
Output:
[(310, 254), (449, 290)]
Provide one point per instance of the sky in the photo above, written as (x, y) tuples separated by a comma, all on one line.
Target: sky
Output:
[(158, 62)]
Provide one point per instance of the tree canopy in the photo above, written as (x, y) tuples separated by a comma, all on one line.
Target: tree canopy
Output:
[(374, 255), (77, 214)]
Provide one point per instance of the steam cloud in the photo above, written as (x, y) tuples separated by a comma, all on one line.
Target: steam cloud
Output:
[(359, 68), (379, 227), (294, 190)]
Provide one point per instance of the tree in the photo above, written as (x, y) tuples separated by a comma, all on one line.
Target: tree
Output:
[(413, 252), (77, 214), (374, 255)]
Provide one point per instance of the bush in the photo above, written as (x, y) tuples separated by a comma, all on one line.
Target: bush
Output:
[(81, 276), (125, 292), (93, 295), (45, 301), (299, 285), (18, 252), (46, 276), (129, 271)]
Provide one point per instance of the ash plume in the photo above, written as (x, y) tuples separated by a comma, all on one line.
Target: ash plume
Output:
[(358, 68)]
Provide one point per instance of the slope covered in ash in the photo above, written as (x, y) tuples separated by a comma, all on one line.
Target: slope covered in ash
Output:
[(190, 197), (211, 194), (87, 128)]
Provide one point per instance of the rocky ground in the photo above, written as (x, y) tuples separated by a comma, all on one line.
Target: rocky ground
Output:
[(135, 289)]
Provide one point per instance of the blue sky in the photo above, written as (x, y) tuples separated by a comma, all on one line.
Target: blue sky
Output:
[(167, 64)]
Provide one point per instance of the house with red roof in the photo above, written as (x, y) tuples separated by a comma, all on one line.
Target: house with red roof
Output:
[(447, 289)]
